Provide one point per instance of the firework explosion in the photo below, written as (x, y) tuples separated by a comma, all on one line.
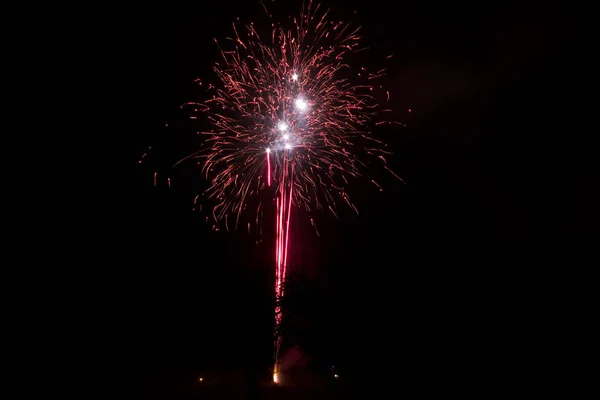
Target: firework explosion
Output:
[(288, 119)]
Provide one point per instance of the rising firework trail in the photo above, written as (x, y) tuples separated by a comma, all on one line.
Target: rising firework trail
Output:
[(292, 117)]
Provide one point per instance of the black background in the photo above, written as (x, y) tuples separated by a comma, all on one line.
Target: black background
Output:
[(442, 279)]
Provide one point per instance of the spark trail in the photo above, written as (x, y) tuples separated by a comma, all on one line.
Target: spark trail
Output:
[(290, 116)]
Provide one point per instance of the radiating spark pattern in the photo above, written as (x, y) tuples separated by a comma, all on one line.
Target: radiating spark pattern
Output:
[(290, 118)]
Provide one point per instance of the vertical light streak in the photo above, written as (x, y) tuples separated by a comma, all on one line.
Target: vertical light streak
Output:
[(287, 230), (283, 213), (277, 245), (268, 168)]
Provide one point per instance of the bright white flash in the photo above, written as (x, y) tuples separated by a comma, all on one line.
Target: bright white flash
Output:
[(282, 126), (294, 77), (301, 104), (268, 150), (286, 136), (288, 146)]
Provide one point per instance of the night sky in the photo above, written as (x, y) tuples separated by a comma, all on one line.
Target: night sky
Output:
[(434, 280)]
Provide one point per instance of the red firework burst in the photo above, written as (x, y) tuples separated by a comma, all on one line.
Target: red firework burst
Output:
[(291, 114)]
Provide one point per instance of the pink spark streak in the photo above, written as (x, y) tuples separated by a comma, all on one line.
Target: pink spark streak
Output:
[(268, 169)]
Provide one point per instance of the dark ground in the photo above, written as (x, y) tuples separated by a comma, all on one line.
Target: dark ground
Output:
[(443, 285)]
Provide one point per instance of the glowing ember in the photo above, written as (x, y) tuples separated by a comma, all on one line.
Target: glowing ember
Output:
[(282, 126), (301, 104)]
